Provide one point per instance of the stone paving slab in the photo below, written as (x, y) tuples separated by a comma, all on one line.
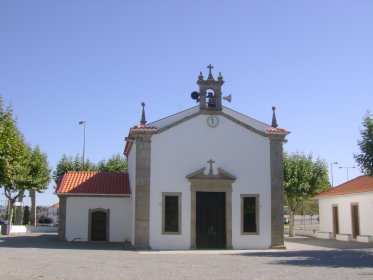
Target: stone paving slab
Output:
[(42, 256)]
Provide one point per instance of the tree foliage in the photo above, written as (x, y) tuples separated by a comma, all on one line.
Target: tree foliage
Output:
[(21, 168), (116, 163), (14, 152), (365, 158), (303, 178), (39, 174)]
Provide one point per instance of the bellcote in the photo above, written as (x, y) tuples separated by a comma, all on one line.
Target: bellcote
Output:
[(209, 95)]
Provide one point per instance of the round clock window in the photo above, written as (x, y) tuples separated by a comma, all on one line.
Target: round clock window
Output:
[(212, 121)]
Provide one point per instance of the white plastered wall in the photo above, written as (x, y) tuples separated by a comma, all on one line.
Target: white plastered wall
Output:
[(365, 202), (77, 214), (186, 148)]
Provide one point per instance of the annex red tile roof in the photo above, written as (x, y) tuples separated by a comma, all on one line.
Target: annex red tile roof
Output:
[(85, 182), (358, 185)]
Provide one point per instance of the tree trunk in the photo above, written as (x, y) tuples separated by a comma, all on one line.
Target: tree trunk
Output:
[(33, 208), (19, 210), (10, 210), (291, 224)]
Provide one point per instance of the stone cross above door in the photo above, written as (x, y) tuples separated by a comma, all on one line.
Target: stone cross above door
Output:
[(211, 162)]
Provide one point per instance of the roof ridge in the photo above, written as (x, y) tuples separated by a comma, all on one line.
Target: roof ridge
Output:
[(242, 114), (177, 113)]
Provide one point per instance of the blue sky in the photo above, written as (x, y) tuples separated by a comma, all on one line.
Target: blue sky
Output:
[(66, 61)]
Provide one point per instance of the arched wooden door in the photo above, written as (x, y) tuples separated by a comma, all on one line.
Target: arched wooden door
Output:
[(99, 226)]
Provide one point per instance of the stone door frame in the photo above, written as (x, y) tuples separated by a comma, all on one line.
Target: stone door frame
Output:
[(201, 182)]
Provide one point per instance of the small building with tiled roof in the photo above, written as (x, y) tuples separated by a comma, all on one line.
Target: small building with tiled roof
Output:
[(346, 210), (94, 206)]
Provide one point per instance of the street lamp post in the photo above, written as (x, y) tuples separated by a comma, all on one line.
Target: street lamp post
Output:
[(347, 168), (331, 171), (83, 123)]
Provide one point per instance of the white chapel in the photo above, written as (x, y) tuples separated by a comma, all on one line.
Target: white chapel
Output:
[(207, 177)]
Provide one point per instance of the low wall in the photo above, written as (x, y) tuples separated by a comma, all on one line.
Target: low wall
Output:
[(302, 232), (23, 229)]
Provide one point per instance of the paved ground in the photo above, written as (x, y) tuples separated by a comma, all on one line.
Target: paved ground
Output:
[(42, 256)]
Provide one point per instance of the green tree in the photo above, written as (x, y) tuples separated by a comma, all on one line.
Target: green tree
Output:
[(39, 174), (303, 178), (365, 158), (20, 167), (14, 158), (117, 163)]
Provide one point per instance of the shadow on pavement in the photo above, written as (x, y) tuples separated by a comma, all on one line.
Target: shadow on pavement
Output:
[(320, 258), (313, 252), (51, 241), (325, 243)]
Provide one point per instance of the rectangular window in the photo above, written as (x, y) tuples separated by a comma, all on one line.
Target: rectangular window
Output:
[(171, 213), (249, 214)]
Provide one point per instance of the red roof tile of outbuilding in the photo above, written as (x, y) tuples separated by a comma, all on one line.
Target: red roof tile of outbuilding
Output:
[(100, 183), (358, 185)]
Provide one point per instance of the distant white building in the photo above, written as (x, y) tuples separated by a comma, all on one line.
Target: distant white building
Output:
[(53, 213), (206, 177), (346, 211)]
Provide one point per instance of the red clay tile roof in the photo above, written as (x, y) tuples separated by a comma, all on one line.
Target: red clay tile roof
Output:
[(141, 126), (276, 130), (84, 182), (358, 185)]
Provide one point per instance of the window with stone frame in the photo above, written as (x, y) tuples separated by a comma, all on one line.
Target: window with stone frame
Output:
[(171, 213), (249, 214)]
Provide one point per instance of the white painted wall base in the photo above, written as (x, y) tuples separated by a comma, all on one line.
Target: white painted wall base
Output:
[(24, 229), (42, 229), (18, 229), (324, 235), (343, 237), (364, 238)]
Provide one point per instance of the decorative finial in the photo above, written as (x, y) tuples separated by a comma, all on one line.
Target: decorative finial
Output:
[(210, 162), (200, 77), (143, 119), (274, 121), (220, 77), (210, 77)]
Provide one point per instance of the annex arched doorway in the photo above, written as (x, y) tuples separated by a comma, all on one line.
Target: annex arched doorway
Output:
[(99, 224)]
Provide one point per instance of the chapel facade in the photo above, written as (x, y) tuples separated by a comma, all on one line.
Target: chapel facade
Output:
[(206, 177)]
